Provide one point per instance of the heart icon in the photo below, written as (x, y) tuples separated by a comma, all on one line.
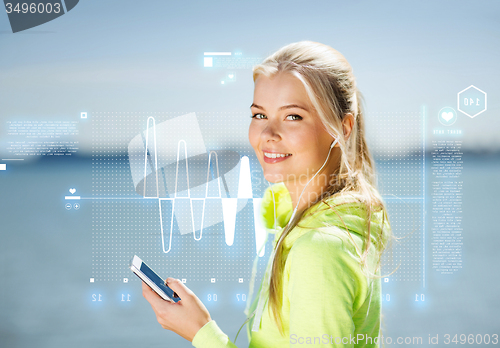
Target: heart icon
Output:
[(231, 76), (72, 190), (447, 115)]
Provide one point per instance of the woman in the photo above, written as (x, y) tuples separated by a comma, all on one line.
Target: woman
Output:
[(322, 284)]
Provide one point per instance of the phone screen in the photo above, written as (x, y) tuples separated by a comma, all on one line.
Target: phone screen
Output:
[(159, 282)]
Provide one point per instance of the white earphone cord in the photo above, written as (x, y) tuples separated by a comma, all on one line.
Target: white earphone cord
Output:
[(267, 280), (320, 169)]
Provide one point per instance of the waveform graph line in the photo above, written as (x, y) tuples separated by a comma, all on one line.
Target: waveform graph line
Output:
[(229, 211), (155, 169), (260, 231), (194, 229), (208, 174), (160, 200), (184, 197), (177, 169), (245, 179), (229, 205), (202, 217)]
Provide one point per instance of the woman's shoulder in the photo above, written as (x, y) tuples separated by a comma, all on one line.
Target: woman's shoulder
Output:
[(331, 253), (326, 259), (347, 215), (324, 242)]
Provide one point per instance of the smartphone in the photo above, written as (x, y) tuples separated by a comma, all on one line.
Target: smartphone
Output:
[(152, 279)]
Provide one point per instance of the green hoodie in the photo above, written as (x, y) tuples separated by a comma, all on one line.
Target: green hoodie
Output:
[(328, 299)]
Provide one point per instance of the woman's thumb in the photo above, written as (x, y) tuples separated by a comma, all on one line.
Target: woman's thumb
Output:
[(178, 287)]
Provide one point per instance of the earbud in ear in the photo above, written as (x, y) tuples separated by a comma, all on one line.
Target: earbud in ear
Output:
[(333, 144)]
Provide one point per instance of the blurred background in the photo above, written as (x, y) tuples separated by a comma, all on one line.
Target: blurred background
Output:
[(76, 91)]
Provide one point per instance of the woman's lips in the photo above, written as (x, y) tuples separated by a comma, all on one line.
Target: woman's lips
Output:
[(275, 157)]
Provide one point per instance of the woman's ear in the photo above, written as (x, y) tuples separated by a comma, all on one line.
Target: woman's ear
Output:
[(347, 125)]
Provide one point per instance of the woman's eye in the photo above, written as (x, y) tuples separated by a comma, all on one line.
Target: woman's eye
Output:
[(293, 117), (258, 116)]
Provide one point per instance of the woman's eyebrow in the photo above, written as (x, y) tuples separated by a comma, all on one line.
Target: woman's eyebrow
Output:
[(256, 106), (290, 106)]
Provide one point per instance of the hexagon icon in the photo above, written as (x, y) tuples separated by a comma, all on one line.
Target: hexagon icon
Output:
[(472, 101)]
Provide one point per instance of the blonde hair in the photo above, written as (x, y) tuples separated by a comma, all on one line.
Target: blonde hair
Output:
[(330, 84)]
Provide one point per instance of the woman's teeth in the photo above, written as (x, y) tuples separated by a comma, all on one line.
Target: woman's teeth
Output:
[(276, 155)]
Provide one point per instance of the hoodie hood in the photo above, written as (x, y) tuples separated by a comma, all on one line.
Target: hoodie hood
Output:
[(341, 212), (345, 211)]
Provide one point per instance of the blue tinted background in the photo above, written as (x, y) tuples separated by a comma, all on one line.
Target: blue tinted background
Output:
[(131, 56)]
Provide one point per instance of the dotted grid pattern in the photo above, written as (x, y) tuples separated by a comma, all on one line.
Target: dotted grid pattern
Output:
[(403, 255), (131, 225), (122, 228), (400, 164)]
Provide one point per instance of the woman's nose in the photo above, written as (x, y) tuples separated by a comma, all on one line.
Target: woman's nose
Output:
[(271, 132)]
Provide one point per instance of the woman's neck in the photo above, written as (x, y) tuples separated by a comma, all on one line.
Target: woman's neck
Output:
[(310, 195)]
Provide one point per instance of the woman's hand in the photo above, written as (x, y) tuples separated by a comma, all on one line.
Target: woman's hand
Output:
[(185, 317)]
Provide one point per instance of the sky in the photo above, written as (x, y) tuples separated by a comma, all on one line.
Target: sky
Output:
[(121, 56), (123, 61)]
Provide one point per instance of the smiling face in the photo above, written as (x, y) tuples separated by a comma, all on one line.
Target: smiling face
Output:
[(286, 133)]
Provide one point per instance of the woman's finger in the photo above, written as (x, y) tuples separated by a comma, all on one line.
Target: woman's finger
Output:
[(179, 287), (152, 297)]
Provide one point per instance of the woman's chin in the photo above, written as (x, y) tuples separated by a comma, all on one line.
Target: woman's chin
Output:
[(274, 178)]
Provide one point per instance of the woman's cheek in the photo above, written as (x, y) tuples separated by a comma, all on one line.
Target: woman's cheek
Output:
[(253, 137)]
